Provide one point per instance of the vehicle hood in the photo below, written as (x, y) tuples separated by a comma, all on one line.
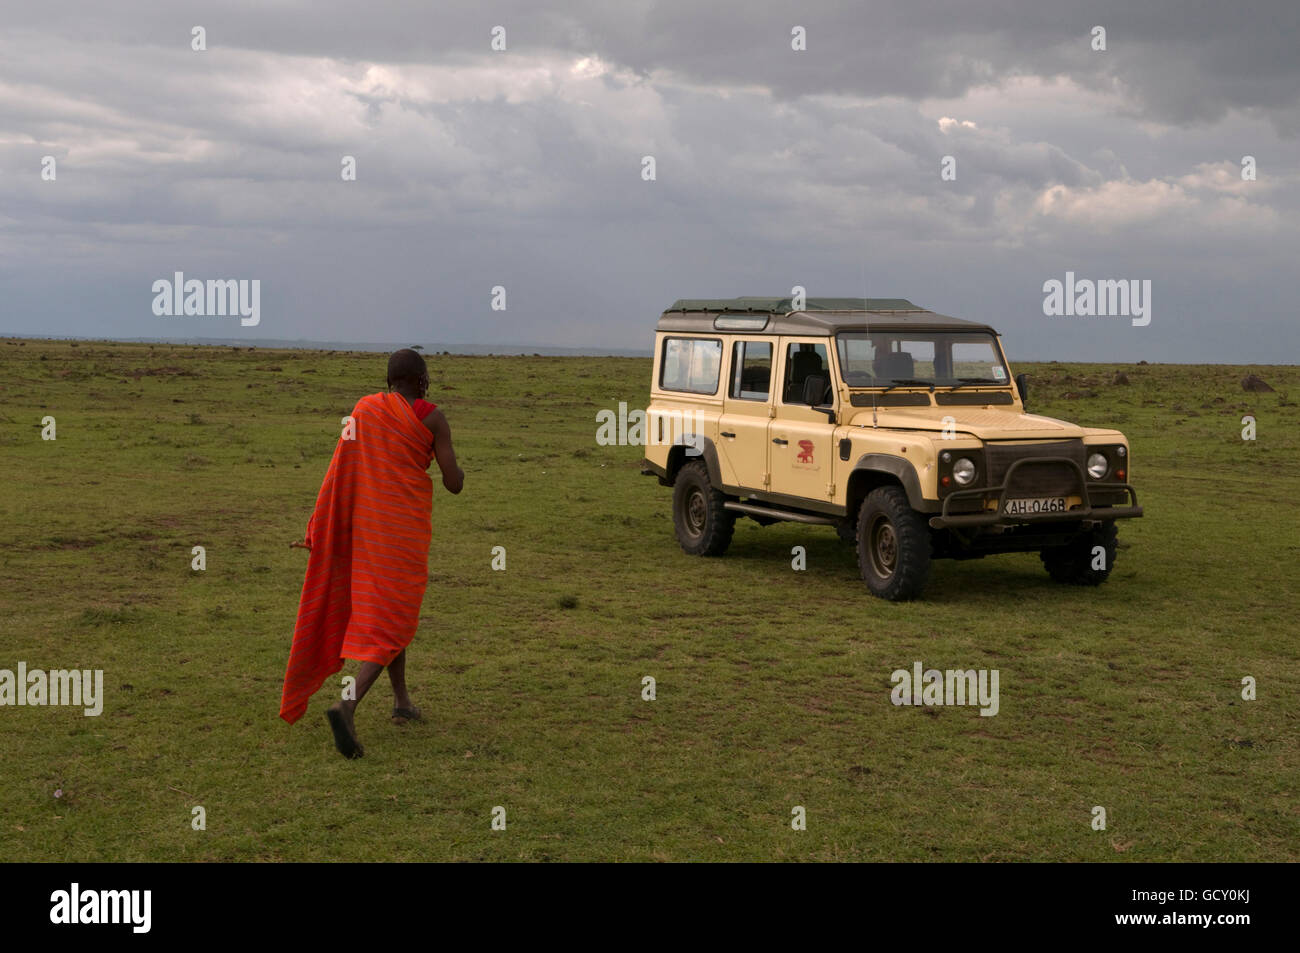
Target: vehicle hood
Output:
[(982, 422)]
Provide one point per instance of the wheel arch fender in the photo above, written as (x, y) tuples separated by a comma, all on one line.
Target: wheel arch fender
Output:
[(875, 469), (688, 447)]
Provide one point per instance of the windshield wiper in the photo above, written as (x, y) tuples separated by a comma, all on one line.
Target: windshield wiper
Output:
[(975, 380), (905, 381)]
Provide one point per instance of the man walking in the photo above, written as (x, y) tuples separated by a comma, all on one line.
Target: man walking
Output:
[(369, 539)]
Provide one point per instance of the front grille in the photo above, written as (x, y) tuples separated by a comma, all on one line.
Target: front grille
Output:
[(1034, 479)]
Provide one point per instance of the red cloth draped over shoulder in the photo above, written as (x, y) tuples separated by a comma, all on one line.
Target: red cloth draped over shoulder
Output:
[(423, 407), (369, 539)]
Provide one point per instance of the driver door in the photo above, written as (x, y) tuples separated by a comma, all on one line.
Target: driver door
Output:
[(801, 439)]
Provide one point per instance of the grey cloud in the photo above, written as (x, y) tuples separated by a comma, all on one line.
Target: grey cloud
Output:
[(774, 168)]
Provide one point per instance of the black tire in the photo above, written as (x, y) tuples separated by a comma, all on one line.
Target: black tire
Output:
[(893, 545), (703, 526), (1072, 564)]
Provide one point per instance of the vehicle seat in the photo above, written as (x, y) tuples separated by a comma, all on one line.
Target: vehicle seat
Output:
[(895, 364), (803, 364), (755, 379)]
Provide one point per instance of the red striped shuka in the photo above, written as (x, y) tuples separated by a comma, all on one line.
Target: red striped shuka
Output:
[(369, 540)]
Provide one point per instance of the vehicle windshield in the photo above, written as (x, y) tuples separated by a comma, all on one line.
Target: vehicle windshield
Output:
[(904, 358)]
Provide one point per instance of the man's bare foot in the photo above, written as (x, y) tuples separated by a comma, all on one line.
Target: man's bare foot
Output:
[(408, 712), (339, 716)]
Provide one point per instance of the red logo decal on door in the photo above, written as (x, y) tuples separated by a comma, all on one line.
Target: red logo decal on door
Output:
[(805, 451)]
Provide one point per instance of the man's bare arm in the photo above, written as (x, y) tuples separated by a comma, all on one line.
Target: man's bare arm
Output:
[(453, 477)]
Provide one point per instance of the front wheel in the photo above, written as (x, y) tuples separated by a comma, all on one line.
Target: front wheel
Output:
[(1087, 561), (704, 525), (893, 545)]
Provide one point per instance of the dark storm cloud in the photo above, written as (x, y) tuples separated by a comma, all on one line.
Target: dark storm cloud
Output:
[(1178, 60)]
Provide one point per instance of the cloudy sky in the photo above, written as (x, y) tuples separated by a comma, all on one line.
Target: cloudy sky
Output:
[(774, 167)]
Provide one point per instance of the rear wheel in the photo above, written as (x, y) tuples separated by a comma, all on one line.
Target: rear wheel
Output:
[(1086, 561), (704, 526), (893, 545)]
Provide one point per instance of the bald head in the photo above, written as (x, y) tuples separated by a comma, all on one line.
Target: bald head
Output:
[(407, 372)]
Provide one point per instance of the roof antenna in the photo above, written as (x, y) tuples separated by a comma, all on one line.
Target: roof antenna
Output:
[(867, 319)]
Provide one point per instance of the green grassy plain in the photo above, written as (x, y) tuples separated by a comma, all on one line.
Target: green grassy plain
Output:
[(772, 685)]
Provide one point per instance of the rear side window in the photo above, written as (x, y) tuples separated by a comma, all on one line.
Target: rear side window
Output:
[(691, 365), (751, 370)]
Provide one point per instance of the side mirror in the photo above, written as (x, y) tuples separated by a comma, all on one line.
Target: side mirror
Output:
[(814, 393), (1022, 385)]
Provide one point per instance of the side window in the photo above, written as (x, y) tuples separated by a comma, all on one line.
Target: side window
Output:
[(691, 365), (801, 362), (751, 370)]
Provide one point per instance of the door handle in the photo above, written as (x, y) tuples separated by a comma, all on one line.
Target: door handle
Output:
[(725, 434), (782, 442)]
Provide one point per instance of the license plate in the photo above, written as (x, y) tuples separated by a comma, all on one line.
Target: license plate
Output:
[(1043, 504)]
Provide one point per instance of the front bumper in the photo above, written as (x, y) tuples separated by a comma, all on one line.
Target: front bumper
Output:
[(1084, 511)]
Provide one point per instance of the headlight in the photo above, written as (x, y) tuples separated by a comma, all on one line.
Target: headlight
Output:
[(1098, 466), (963, 471)]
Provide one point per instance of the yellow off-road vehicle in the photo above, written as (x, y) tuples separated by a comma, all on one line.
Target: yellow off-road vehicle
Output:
[(898, 426)]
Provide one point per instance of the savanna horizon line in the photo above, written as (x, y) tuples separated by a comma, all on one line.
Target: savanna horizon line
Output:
[(513, 350)]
